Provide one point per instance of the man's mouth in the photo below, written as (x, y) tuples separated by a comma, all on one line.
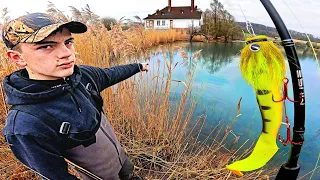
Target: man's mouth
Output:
[(66, 63)]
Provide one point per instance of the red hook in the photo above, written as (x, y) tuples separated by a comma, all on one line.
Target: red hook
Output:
[(285, 142), (288, 140), (284, 92)]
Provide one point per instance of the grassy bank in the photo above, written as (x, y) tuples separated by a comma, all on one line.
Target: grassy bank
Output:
[(155, 130)]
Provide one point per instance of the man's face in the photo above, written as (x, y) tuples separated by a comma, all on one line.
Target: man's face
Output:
[(50, 59)]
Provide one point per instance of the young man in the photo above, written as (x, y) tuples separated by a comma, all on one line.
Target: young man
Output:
[(57, 109)]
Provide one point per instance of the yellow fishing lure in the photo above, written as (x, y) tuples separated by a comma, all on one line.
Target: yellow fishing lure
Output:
[(262, 65)]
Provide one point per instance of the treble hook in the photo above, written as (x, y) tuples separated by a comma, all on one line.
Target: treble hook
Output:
[(284, 92), (288, 140), (285, 142)]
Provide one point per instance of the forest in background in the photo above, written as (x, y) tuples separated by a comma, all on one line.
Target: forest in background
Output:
[(272, 32)]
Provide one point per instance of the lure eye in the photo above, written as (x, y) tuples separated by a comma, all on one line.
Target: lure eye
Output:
[(255, 47)]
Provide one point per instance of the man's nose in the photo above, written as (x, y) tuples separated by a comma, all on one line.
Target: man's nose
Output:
[(64, 52)]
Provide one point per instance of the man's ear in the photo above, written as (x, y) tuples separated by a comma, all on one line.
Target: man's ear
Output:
[(16, 57)]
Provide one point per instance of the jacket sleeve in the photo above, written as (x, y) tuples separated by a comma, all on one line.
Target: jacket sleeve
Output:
[(105, 77), (39, 155)]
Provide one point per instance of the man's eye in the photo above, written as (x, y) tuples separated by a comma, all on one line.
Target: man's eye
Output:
[(69, 42), (45, 47)]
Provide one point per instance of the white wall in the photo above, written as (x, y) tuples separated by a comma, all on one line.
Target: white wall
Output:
[(177, 23), (185, 23)]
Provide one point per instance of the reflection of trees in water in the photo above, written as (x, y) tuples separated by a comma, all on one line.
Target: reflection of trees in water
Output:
[(167, 49), (303, 53), (214, 56), (306, 52)]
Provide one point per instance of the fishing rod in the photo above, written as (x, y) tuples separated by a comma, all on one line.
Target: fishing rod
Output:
[(291, 168)]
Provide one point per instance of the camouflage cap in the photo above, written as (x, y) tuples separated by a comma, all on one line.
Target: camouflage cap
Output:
[(35, 27)]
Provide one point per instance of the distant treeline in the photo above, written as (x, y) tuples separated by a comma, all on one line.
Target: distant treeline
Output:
[(272, 32)]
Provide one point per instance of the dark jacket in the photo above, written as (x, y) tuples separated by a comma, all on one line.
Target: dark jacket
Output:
[(33, 141)]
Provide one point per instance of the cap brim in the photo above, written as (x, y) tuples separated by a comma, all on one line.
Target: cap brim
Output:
[(72, 26), (75, 27)]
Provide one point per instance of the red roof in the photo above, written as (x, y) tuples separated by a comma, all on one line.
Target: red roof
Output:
[(183, 12)]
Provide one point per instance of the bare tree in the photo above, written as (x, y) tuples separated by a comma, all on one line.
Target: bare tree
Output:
[(218, 22), (217, 9), (108, 22)]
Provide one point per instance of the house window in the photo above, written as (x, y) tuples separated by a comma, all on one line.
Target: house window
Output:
[(149, 23), (163, 23), (158, 23)]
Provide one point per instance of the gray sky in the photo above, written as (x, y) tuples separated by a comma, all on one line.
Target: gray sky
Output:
[(306, 11)]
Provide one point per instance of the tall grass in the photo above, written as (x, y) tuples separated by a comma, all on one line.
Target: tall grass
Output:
[(152, 124)]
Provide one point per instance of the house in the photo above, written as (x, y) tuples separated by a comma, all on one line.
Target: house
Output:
[(174, 17)]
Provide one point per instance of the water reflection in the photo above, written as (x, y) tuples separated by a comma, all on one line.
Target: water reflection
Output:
[(216, 55)]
